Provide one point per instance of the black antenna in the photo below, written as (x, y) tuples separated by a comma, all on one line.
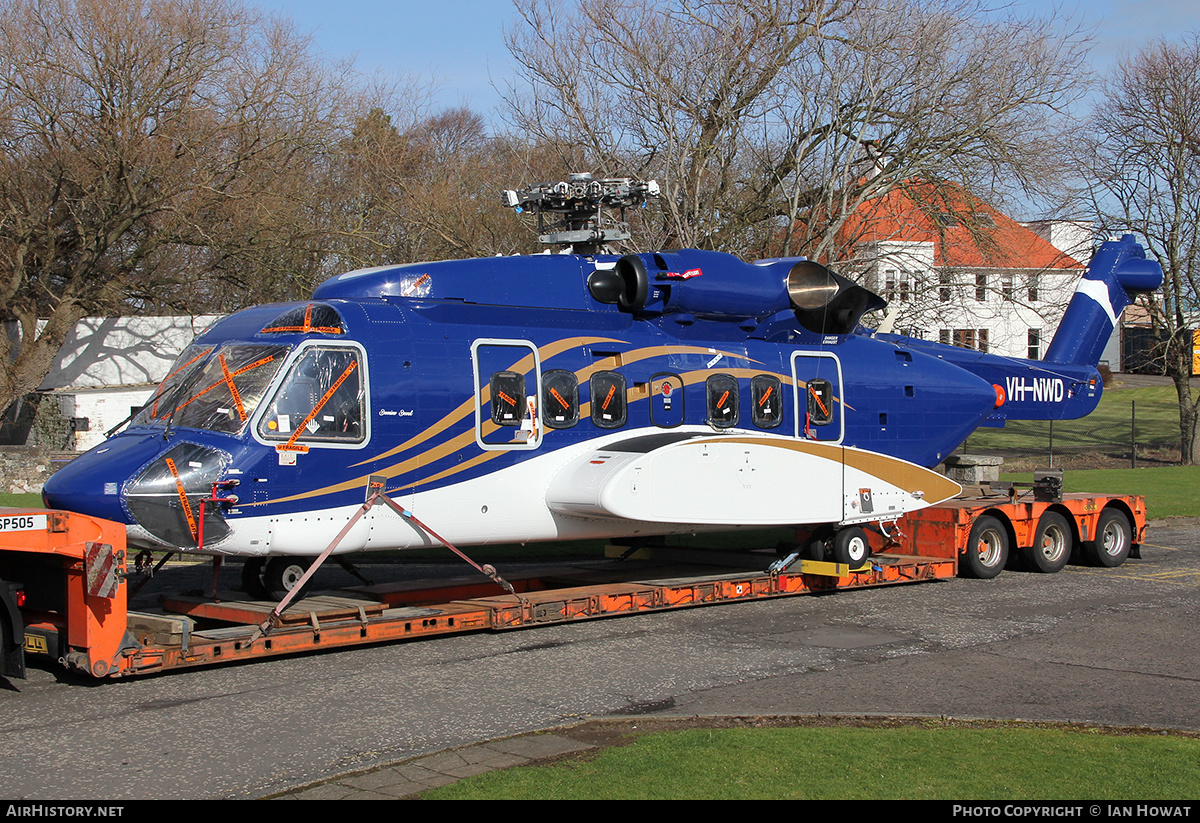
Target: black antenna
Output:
[(580, 203)]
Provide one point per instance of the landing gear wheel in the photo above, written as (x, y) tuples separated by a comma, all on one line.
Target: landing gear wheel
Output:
[(1052, 545), (1114, 539), (282, 574), (252, 578), (850, 546), (987, 549)]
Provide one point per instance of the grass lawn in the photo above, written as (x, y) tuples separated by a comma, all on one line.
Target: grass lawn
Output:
[(933, 760), (21, 501), (1153, 409), (1170, 491)]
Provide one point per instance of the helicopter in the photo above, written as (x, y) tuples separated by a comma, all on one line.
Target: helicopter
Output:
[(565, 396)]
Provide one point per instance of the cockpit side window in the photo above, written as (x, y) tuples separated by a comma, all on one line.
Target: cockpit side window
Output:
[(321, 399)]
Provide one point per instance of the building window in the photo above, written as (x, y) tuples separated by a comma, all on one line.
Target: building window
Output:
[(897, 286), (981, 287), (944, 337), (1034, 347), (1006, 286), (944, 287), (967, 338), (1033, 288)]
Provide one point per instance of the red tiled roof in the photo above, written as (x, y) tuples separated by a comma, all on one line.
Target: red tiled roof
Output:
[(995, 241)]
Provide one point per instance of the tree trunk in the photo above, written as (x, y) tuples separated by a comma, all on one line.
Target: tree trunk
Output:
[(1179, 368)]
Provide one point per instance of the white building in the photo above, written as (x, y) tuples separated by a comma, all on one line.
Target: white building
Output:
[(965, 274), (108, 367)]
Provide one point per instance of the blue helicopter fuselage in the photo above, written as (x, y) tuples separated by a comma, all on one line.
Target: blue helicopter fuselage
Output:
[(486, 391)]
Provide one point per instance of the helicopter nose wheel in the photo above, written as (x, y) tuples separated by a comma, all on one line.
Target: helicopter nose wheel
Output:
[(252, 577), (272, 578), (282, 574)]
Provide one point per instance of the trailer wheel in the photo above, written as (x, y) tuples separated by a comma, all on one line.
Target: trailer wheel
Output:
[(1114, 539), (282, 574), (1051, 547), (987, 549), (252, 578), (850, 546), (12, 633)]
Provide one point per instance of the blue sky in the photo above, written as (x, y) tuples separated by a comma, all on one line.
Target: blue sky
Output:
[(461, 42)]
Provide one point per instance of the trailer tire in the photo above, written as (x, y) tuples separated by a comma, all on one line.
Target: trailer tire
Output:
[(850, 546), (281, 575), (12, 634), (987, 549), (1052, 544), (1114, 539)]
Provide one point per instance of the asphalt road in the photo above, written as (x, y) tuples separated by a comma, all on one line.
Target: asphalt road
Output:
[(1106, 646)]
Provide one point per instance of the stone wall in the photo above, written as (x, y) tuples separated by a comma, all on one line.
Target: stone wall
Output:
[(25, 469)]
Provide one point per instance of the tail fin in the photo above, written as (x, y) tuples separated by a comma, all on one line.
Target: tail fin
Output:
[(1118, 272)]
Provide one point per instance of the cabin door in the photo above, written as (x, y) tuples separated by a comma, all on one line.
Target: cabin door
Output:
[(507, 387), (819, 402)]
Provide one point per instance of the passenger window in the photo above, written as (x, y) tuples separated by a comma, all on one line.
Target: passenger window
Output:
[(508, 398), (322, 399), (722, 390), (608, 399), (560, 399), (766, 395), (820, 402)]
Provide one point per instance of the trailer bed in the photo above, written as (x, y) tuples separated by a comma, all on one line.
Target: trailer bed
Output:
[(71, 571)]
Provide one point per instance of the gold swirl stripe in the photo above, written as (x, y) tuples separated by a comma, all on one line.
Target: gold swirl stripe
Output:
[(523, 366)]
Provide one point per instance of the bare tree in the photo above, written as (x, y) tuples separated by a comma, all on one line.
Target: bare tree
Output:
[(151, 152), (1142, 160), (768, 122), (428, 189)]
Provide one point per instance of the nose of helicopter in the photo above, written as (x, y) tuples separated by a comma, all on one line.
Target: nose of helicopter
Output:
[(91, 483), (147, 482)]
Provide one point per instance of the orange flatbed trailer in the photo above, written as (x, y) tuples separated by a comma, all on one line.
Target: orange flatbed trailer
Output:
[(63, 591), (988, 532)]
